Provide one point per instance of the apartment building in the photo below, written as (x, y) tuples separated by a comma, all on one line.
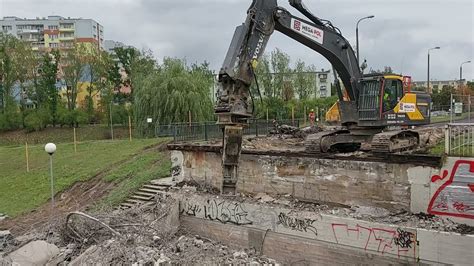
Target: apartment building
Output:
[(323, 84), (54, 31), (437, 85)]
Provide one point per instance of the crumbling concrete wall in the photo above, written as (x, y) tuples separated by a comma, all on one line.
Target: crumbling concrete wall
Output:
[(446, 192), (333, 238), (335, 181)]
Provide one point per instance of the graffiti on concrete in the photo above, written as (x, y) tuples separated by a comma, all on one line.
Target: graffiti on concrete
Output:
[(176, 163), (383, 240), (297, 224), (455, 196), (403, 238), (217, 210), (176, 170)]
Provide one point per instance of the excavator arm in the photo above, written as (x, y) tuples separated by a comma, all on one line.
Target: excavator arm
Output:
[(233, 106)]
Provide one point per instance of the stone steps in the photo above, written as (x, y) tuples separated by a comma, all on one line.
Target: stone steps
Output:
[(146, 193)]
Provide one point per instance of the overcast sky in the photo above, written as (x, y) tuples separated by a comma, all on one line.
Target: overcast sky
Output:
[(399, 35)]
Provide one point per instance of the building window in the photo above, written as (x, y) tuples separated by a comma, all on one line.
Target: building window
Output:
[(54, 45), (67, 25), (6, 28), (52, 27)]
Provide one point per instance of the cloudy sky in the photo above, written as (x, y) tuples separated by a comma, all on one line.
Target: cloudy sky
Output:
[(399, 35)]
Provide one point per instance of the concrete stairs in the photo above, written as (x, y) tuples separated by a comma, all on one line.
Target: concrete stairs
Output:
[(147, 192)]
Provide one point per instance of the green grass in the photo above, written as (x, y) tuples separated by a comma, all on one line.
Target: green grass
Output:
[(463, 151), (63, 135), (145, 167), (438, 149), (439, 119), (22, 192)]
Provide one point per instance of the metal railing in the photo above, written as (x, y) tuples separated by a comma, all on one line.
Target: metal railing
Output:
[(459, 139), (210, 130)]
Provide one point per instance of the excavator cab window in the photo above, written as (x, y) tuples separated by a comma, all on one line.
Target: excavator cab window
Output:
[(392, 94)]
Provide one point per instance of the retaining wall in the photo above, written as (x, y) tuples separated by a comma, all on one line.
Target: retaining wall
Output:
[(293, 236), (446, 191)]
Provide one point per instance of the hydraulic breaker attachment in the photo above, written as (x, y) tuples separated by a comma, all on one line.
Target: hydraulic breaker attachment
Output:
[(232, 146)]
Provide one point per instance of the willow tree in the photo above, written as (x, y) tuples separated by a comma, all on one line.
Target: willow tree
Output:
[(169, 94)]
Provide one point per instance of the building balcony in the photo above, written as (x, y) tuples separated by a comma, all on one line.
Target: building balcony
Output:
[(20, 31), (66, 29), (66, 38)]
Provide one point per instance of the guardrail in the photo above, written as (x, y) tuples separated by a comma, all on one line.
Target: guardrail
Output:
[(210, 130), (459, 139)]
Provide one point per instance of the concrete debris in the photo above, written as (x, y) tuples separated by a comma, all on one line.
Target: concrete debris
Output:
[(6, 240), (34, 253), (146, 235), (287, 131), (263, 197), (364, 211)]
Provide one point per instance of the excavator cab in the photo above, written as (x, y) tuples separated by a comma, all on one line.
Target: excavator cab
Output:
[(387, 100)]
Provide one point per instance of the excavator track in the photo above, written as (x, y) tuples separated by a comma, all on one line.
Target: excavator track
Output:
[(394, 141), (332, 141)]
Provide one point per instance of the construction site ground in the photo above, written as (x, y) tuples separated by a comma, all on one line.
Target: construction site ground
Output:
[(150, 233)]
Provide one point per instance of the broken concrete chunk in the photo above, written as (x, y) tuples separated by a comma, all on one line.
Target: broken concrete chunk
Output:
[(263, 197), (34, 253)]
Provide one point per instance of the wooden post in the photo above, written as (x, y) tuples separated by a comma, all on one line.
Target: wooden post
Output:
[(267, 115), (130, 127), (27, 158), (75, 143), (305, 115), (190, 118), (317, 115), (292, 115)]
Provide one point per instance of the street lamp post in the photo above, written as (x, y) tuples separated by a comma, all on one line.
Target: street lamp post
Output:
[(50, 148), (428, 81), (462, 86), (357, 37), (460, 69)]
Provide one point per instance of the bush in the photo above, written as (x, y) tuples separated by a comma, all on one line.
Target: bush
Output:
[(73, 117), (36, 120), (10, 120)]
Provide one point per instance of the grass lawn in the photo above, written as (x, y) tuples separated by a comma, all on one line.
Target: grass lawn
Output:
[(21, 191), (63, 135), (439, 119), (132, 175)]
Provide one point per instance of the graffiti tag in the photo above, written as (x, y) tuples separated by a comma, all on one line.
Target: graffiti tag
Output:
[(455, 197), (398, 242), (403, 239), (297, 224), (217, 210)]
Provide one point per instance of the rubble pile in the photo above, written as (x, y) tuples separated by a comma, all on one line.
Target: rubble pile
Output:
[(146, 235)]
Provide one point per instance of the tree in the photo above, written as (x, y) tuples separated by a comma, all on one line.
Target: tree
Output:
[(73, 64), (168, 94), (15, 65), (304, 79), (48, 96), (442, 99), (280, 64), (136, 65)]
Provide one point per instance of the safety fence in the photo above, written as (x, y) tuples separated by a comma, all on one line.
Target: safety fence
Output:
[(459, 139), (210, 130)]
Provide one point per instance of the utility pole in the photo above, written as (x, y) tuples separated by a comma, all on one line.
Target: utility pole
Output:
[(357, 38), (428, 79)]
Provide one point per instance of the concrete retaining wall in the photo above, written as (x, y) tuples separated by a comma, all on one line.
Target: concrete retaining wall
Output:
[(446, 192), (287, 234)]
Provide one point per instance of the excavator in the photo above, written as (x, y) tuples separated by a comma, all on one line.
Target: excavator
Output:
[(377, 109)]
